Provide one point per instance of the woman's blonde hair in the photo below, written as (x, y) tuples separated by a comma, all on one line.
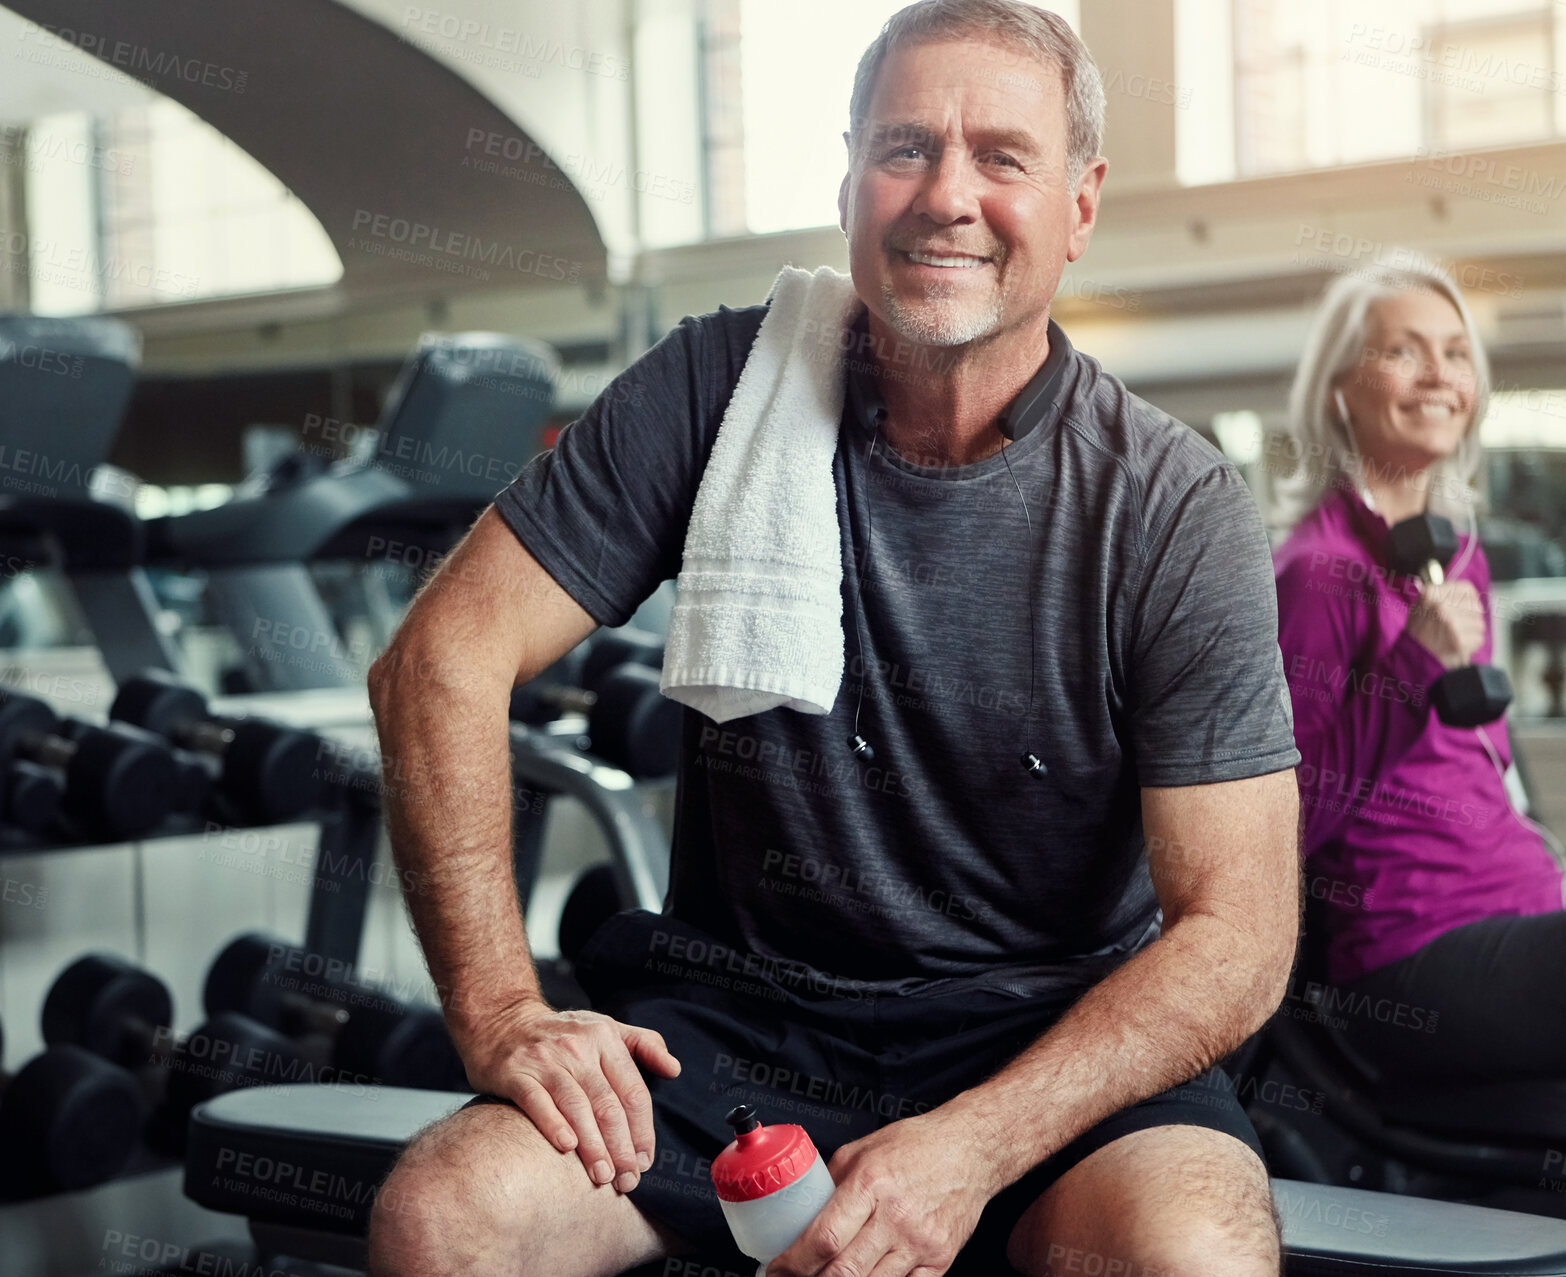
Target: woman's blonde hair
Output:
[(1325, 455)]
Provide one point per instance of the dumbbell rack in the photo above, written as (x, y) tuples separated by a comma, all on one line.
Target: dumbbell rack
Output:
[(543, 759), (349, 819), (340, 888), (638, 846), (546, 761)]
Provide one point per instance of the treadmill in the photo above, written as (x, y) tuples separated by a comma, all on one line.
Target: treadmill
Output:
[(64, 386), (464, 416)]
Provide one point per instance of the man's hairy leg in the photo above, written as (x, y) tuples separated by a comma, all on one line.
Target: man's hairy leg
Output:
[(1168, 1201), (484, 1192)]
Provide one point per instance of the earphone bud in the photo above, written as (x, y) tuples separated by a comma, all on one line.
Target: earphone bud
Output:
[(1343, 413)]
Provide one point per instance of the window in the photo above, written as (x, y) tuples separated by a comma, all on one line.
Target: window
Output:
[(152, 205), (1501, 84), (1338, 82), (723, 116)]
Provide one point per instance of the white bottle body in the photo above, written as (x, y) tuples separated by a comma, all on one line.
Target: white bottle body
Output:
[(765, 1227)]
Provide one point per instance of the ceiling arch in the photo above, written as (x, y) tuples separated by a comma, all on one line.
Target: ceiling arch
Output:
[(371, 133)]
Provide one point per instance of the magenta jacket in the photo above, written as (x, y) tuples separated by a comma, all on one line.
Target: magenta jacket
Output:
[(1408, 832)]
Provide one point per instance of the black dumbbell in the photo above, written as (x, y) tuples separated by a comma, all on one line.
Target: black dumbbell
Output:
[(613, 679), (595, 898), (118, 782), (633, 725), (68, 1120), (30, 796), (267, 771), (1423, 546), (227, 1052), (194, 774), (368, 1032), (557, 690), (610, 648), (123, 1014)]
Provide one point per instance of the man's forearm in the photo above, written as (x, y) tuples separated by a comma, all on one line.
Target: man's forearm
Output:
[(446, 755), (1171, 1011)]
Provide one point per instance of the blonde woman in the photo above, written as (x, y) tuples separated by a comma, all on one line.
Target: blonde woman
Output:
[(1443, 921)]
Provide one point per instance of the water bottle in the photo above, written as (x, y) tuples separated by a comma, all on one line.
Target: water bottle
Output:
[(771, 1182)]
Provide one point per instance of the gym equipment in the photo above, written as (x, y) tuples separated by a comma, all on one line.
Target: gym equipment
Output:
[(105, 1005), (194, 774), (595, 897), (226, 1053), (64, 386), (461, 420), (342, 1146), (30, 796), (613, 678), (118, 782), (559, 689), (1464, 1139), (626, 646), (370, 1032), (68, 1120), (632, 725), (1424, 546), (638, 843), (266, 771), (122, 1014)]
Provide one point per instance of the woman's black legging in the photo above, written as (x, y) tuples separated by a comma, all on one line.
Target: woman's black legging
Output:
[(1496, 990)]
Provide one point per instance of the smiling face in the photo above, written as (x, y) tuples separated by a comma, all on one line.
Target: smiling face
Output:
[(1411, 395), (958, 211)]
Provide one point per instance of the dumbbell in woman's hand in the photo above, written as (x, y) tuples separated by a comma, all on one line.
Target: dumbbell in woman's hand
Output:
[(1449, 622)]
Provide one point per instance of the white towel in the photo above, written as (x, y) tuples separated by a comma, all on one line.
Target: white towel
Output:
[(758, 613)]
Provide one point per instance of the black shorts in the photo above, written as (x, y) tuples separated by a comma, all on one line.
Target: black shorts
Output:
[(841, 1067)]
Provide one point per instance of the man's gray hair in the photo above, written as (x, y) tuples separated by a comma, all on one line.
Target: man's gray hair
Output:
[(1326, 455), (1043, 35)]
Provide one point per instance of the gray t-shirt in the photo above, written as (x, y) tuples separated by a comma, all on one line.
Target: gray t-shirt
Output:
[(941, 864)]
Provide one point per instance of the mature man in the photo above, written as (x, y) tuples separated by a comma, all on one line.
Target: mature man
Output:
[(952, 969)]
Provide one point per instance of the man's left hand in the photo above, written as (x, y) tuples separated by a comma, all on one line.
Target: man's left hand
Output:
[(907, 1199)]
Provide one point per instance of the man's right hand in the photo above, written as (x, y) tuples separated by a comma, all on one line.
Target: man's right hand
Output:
[(574, 1074), (1449, 620)]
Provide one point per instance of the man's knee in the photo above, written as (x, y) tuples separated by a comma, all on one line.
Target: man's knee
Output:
[(1192, 1248), (451, 1191), (1164, 1202), (414, 1209), (1210, 1248)]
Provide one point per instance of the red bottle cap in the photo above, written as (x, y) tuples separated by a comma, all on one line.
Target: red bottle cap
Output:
[(762, 1159)]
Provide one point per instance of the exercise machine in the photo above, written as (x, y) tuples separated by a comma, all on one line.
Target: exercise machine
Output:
[(339, 1148), (462, 418)]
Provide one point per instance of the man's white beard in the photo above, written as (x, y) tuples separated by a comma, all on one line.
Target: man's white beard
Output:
[(940, 319)]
